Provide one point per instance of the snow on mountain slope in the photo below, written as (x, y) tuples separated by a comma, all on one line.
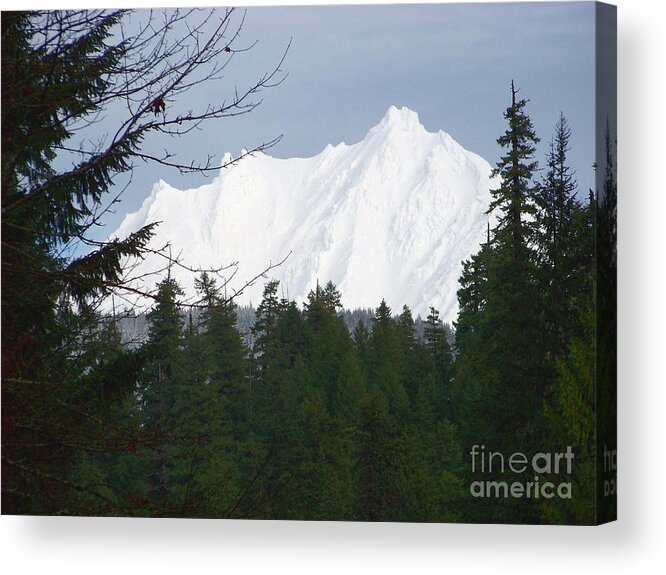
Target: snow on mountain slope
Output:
[(390, 217)]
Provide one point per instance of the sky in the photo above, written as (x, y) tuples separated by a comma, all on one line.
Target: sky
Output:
[(451, 63)]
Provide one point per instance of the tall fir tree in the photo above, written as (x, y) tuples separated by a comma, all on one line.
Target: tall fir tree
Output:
[(62, 153), (49, 82), (571, 419), (386, 362), (161, 397), (436, 340), (216, 368), (499, 370), (562, 243)]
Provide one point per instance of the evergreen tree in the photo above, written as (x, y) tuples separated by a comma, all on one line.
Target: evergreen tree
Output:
[(361, 337), (500, 385), (331, 297), (108, 470), (514, 198), (415, 369), (561, 241), (437, 343), (328, 339), (220, 402), (161, 396), (48, 82), (279, 385), (264, 329), (472, 293), (386, 362), (322, 484), (379, 465), (406, 325), (62, 70), (571, 419)]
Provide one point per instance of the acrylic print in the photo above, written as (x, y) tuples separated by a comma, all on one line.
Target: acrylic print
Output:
[(351, 263)]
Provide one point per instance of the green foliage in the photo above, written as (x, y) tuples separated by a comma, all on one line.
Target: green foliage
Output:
[(49, 81), (524, 372), (499, 383), (571, 421), (514, 198), (564, 228), (62, 71)]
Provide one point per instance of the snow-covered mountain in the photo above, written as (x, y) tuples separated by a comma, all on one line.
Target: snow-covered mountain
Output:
[(390, 217)]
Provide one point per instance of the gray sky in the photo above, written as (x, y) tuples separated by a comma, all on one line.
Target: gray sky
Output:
[(451, 63)]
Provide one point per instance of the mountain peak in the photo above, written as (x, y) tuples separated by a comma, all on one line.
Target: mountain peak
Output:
[(400, 119), (391, 217)]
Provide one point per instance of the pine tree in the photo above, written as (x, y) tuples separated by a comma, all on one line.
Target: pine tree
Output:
[(328, 340), (46, 86), (322, 484), (510, 325), (349, 387), (437, 342), (561, 242), (331, 297), (514, 198), (108, 471), (361, 337), (264, 329), (406, 326), (278, 387), (62, 71), (379, 464), (162, 396), (220, 399), (415, 370), (386, 362), (571, 419), (500, 387)]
